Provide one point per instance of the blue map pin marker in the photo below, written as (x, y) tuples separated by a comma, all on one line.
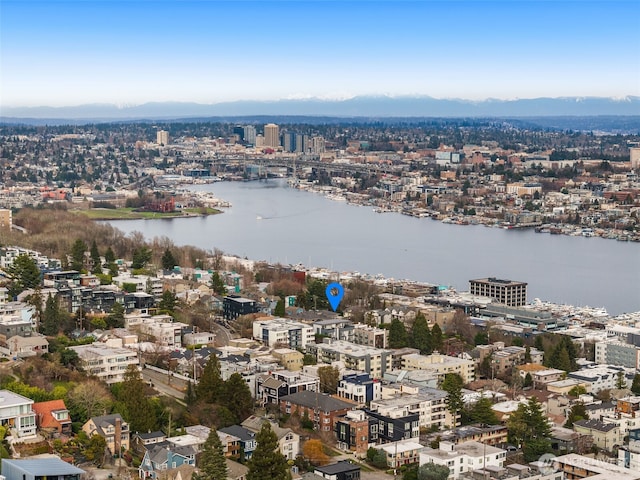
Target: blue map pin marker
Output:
[(334, 298)]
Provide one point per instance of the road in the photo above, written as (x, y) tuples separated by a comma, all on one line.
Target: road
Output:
[(160, 382)]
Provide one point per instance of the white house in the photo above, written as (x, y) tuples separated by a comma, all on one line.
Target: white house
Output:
[(464, 457)]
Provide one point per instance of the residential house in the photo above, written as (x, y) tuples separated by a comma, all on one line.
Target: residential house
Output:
[(230, 444), (247, 439), (392, 426), (16, 413), (23, 347), (53, 416), (50, 468), (236, 471), (605, 435), (288, 440), (360, 388), (141, 442), (160, 459), (273, 386), (112, 428)]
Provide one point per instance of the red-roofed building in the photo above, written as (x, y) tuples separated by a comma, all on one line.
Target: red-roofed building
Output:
[(53, 415)]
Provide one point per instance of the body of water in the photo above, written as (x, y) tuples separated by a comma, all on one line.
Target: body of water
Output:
[(270, 221)]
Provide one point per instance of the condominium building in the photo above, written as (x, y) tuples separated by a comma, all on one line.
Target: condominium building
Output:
[(271, 135), (430, 405), (107, 363), (374, 361), (274, 331), (618, 353), (440, 365), (507, 292), (249, 134), (464, 457), (162, 137)]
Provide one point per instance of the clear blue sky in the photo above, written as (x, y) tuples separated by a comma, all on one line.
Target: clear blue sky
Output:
[(129, 52)]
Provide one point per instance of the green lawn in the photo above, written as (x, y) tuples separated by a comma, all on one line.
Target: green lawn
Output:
[(129, 213)]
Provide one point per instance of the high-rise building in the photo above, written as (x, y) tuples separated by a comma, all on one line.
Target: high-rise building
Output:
[(301, 143), (317, 145), (507, 292), (634, 155), (271, 135), (162, 137), (239, 131), (249, 135), (289, 142)]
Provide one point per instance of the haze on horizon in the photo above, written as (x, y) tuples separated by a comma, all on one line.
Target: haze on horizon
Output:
[(64, 53)]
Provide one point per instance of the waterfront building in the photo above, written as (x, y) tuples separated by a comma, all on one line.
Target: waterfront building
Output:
[(507, 292)]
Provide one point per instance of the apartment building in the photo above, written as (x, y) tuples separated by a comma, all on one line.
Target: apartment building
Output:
[(440, 365), (360, 388), (108, 364), (507, 292), (617, 353), (272, 331), (370, 336), (429, 404), (374, 361), (464, 457)]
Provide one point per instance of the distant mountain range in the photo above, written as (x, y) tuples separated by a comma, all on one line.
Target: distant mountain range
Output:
[(365, 106)]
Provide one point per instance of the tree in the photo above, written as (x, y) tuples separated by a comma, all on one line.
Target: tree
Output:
[(115, 319), (267, 463), (88, 399), (481, 412), (577, 412), (279, 311), (313, 450), (168, 260), (436, 338), (139, 411), (210, 385), (212, 463), (529, 428), (621, 381), (452, 384), (432, 471), (109, 256), (217, 284), (238, 397), (481, 338), (141, 256), (23, 274), (420, 334), (486, 366), (528, 380), (50, 324), (95, 449), (168, 302), (329, 377), (77, 255), (398, 337), (527, 354), (576, 391), (95, 259), (635, 386)]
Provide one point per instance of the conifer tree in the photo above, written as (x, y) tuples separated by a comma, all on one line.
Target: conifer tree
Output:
[(267, 463), (139, 410), (77, 254), (398, 337), (210, 385), (238, 397), (452, 384), (24, 273), (95, 258), (212, 464), (436, 338), (217, 284), (420, 334)]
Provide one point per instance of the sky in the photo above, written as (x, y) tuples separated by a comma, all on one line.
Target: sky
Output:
[(65, 53)]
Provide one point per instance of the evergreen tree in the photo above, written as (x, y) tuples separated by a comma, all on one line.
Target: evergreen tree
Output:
[(23, 274), (436, 338), (77, 255), (141, 256), (237, 397), (635, 386), (398, 337), (621, 381), (139, 411), (481, 412), (529, 428), (168, 260), (452, 384), (95, 259), (190, 395), (528, 380), (577, 412), (210, 385), (420, 334), (527, 354), (432, 471), (212, 463), (267, 463), (562, 360), (279, 310), (217, 284), (109, 256), (168, 302), (50, 324), (115, 319)]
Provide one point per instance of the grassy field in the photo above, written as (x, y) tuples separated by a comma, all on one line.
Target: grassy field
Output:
[(130, 214)]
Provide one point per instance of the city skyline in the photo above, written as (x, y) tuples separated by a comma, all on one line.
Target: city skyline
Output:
[(129, 53)]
